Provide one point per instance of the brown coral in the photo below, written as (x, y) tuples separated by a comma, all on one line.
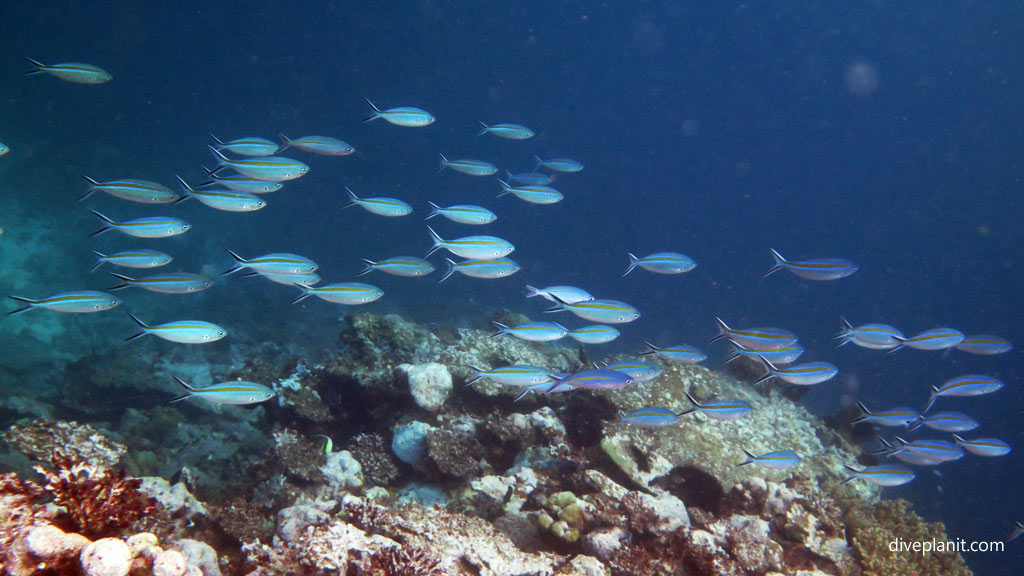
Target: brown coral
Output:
[(403, 561), (95, 503)]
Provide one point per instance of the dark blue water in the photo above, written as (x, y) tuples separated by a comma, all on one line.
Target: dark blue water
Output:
[(880, 133)]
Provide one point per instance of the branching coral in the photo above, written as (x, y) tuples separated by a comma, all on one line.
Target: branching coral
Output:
[(96, 503), (403, 561)]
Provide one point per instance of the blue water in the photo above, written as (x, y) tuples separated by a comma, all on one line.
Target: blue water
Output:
[(871, 131)]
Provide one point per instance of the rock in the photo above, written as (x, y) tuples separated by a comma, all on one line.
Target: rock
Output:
[(293, 521), (175, 500), (410, 442), (429, 384), (169, 563), (586, 566), (106, 557), (139, 542), (605, 543), (51, 545), (200, 555), (343, 471)]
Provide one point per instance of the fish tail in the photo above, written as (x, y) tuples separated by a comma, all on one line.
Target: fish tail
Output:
[(559, 306), (190, 390), (685, 412), (137, 321), (502, 329), (306, 292), (444, 163), (451, 269), (633, 261), (780, 263), (750, 458), (524, 392), (221, 158), (217, 140), (531, 291), (239, 263), (484, 128), (917, 424), (438, 244), (92, 188), (764, 378), (369, 267), (692, 401), (931, 399), (352, 198), (478, 376), (285, 143), (184, 185), (100, 259), (109, 223), (723, 330), (376, 111), (435, 210), (125, 281), (958, 438), (863, 408), (39, 67), (143, 325), (653, 349), (30, 304), (539, 161)]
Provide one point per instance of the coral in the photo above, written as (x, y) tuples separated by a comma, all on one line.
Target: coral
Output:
[(379, 467), (79, 442), (404, 561), (409, 442), (456, 452), (873, 528), (94, 501), (296, 456), (342, 471), (429, 384)]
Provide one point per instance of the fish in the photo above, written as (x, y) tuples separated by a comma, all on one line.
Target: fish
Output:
[(720, 409), (470, 167), (76, 302), (533, 194), (4, 149), (814, 269), (324, 145), (966, 385), (72, 72), (493, 268), (650, 417), (1018, 529), (784, 355), (570, 294), (546, 388), (638, 370), (276, 263), (306, 279), (989, 447), (530, 178), (402, 116), (761, 338), (559, 164), (984, 344), (595, 334), (595, 379), (603, 311), (532, 331), (893, 417), (150, 227), (348, 293), (141, 191), (328, 443), (507, 131), (177, 283), (947, 422), (515, 375), (463, 214), (267, 168), (907, 456), (936, 339), (238, 392), (806, 374), (248, 146), (871, 336), (241, 183), (661, 263), (224, 200), (390, 207), (884, 475), (181, 331), (133, 259), (399, 266), (472, 247), (778, 460), (678, 354), (934, 450)]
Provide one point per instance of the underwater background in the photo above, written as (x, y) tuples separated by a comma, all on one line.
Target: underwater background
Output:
[(890, 134)]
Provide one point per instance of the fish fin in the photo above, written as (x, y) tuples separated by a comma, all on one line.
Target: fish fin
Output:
[(435, 210), (137, 321), (917, 424), (531, 291), (502, 329), (685, 412), (931, 399), (92, 188), (180, 398), (286, 143), (846, 324), (109, 223), (438, 243), (221, 158), (764, 378), (485, 127), (239, 263), (539, 162), (444, 163), (958, 438), (215, 139), (39, 67), (723, 330), (31, 303), (376, 111), (863, 408), (136, 336), (524, 392), (633, 261), (369, 267), (559, 305), (185, 385), (451, 269), (747, 452), (780, 263), (100, 259), (504, 186)]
